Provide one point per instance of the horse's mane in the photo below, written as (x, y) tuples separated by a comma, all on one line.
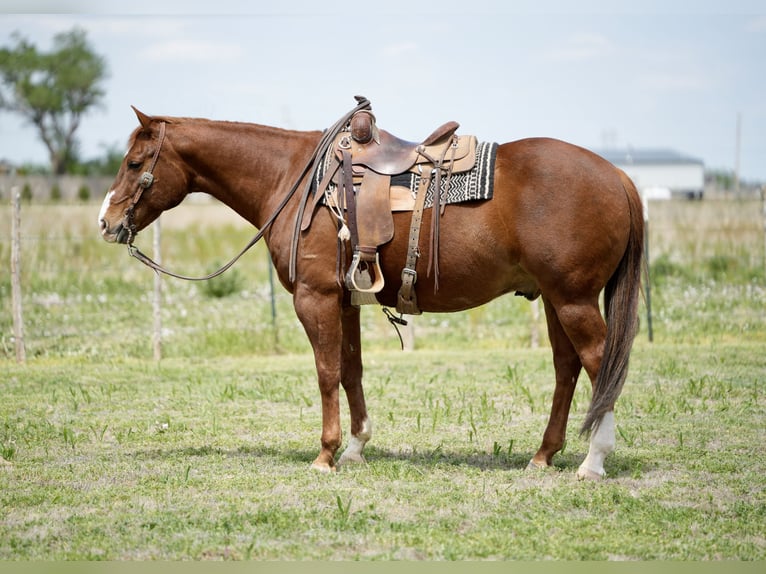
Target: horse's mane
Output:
[(178, 120)]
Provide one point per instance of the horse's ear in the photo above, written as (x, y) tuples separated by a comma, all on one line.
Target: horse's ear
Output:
[(143, 119)]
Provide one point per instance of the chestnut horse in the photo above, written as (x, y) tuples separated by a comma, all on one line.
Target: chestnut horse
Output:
[(563, 224)]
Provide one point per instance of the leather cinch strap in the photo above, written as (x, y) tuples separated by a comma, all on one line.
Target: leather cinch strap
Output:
[(407, 302)]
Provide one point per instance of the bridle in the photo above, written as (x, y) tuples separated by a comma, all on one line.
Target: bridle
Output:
[(144, 182), (147, 178)]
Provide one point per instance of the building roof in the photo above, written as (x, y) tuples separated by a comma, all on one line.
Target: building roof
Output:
[(647, 156)]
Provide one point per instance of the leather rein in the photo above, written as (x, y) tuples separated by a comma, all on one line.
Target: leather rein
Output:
[(147, 178)]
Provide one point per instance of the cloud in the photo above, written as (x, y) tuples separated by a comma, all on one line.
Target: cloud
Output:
[(137, 27), (757, 25), (672, 81), (400, 49), (191, 51), (581, 48)]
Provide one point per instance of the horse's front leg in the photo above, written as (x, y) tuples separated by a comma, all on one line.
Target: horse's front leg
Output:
[(351, 378), (320, 315)]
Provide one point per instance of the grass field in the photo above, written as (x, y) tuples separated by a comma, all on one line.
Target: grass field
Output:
[(107, 454)]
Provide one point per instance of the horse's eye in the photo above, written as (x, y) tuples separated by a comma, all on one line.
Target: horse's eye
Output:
[(134, 164)]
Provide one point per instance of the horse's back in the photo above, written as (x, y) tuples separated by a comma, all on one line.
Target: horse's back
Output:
[(554, 169)]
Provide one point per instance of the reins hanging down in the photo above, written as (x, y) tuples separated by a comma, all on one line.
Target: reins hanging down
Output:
[(324, 144)]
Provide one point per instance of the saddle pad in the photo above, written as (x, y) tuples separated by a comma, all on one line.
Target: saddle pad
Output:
[(474, 185)]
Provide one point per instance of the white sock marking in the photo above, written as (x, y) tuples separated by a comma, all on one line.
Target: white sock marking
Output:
[(356, 443), (601, 445)]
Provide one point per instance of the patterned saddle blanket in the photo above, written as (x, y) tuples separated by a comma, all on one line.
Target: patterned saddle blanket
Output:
[(474, 185)]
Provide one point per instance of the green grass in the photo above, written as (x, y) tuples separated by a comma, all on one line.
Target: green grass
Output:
[(106, 454), (204, 459)]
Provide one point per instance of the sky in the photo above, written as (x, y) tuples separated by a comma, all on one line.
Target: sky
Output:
[(664, 74)]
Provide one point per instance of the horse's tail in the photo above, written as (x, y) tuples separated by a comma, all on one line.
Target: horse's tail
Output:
[(621, 298)]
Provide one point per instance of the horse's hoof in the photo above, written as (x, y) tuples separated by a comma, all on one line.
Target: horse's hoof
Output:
[(588, 474), (351, 459), (537, 465), (322, 467)]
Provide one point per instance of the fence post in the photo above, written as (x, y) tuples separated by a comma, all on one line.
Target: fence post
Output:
[(648, 283), (16, 295), (408, 333), (273, 297), (157, 299), (763, 213)]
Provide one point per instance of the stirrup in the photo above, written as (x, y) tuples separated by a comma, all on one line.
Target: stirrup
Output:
[(367, 278)]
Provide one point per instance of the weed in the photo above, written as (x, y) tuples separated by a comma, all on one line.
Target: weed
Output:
[(98, 432), (8, 450), (663, 267), (26, 193), (229, 392), (630, 438), (83, 193), (224, 285), (344, 510), (123, 436), (70, 436)]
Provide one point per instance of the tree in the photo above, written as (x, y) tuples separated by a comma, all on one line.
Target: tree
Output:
[(53, 90)]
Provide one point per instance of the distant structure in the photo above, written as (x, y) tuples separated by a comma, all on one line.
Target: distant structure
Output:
[(660, 173)]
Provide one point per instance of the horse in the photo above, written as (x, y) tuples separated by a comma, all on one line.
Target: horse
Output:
[(563, 224)]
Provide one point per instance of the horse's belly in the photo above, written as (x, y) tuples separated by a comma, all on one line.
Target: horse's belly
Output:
[(466, 279), (477, 261)]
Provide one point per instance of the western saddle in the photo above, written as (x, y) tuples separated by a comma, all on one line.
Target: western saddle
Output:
[(356, 185)]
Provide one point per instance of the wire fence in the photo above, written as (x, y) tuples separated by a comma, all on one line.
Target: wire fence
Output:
[(55, 262)]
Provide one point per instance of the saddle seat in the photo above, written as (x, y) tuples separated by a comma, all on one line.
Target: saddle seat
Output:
[(390, 155)]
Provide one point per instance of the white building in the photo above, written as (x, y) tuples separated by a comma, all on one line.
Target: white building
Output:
[(660, 173)]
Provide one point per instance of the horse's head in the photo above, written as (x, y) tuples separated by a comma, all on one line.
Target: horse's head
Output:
[(151, 180)]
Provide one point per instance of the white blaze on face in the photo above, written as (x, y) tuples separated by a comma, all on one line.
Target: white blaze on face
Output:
[(104, 207)]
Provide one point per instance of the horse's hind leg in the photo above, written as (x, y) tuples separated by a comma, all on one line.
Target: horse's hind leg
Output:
[(584, 327), (351, 379), (567, 365), (587, 330)]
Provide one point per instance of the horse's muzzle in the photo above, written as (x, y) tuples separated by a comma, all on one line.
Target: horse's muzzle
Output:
[(119, 234)]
